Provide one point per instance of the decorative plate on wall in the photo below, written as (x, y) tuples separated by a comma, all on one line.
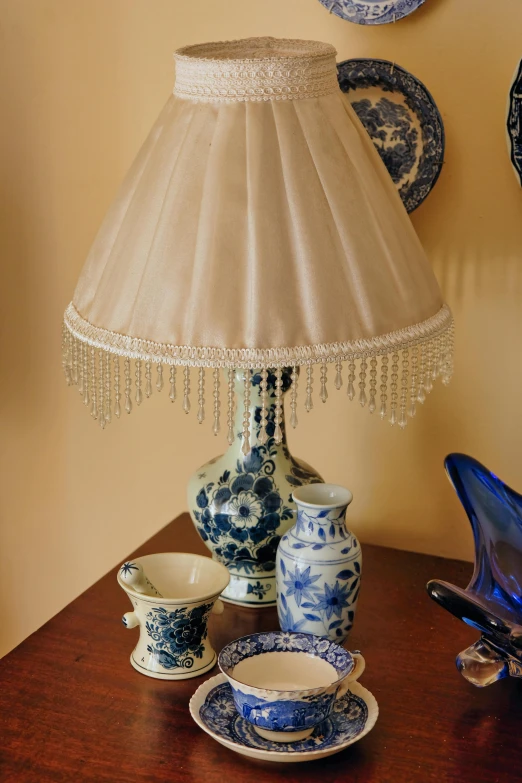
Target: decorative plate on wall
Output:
[(372, 11), (514, 122), (403, 121)]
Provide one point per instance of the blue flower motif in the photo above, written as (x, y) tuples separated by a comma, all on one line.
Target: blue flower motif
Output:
[(243, 647), (333, 600), (222, 522), (266, 641), (239, 534), (271, 522), (287, 622), (272, 501), (202, 499), (253, 461), (178, 635), (264, 527), (299, 583), (241, 483), (224, 707), (263, 486), (284, 642), (266, 554), (222, 495)]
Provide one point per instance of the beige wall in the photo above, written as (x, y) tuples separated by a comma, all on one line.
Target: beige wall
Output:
[(82, 82)]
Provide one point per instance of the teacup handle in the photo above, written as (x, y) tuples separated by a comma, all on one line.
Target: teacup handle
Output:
[(219, 607), (130, 620), (358, 669)]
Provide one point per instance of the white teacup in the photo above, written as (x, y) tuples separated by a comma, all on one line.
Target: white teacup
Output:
[(173, 595)]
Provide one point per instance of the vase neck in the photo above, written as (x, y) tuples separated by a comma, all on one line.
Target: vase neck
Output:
[(321, 526), (255, 408)]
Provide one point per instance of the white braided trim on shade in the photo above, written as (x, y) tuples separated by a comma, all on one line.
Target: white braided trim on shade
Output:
[(254, 358), (91, 360), (255, 69)]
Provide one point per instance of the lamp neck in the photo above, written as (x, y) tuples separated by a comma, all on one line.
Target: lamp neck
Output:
[(255, 407)]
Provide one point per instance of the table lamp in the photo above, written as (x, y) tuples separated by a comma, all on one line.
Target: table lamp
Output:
[(257, 245)]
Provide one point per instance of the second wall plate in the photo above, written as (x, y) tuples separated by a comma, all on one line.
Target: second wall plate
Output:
[(372, 11), (514, 123), (403, 121)]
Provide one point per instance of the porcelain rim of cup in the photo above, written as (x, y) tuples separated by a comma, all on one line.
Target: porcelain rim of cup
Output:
[(343, 496), (189, 599), (308, 691)]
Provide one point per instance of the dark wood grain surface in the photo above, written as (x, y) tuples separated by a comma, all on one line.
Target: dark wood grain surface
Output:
[(73, 709)]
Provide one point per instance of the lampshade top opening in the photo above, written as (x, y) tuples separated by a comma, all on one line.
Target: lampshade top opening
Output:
[(256, 49), (255, 69)]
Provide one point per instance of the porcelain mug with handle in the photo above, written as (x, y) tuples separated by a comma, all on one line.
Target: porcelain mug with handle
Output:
[(172, 595)]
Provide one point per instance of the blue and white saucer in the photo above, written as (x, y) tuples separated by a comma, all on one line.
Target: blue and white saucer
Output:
[(372, 11), (402, 120), (213, 709)]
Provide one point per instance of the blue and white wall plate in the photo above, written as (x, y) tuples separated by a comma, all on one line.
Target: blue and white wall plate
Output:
[(212, 707), (514, 123), (372, 11), (402, 120)]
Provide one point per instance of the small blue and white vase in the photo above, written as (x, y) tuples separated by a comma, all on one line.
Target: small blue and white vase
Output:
[(318, 567), (242, 504)]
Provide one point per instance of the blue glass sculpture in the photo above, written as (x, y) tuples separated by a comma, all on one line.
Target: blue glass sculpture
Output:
[(492, 602)]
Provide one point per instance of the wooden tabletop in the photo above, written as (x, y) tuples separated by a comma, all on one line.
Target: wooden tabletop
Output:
[(73, 709)]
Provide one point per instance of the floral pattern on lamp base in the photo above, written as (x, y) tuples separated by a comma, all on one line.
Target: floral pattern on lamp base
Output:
[(241, 505)]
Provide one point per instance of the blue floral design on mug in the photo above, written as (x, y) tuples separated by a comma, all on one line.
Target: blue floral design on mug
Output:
[(177, 636)]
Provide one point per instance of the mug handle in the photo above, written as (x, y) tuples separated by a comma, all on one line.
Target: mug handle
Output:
[(130, 620), (358, 669)]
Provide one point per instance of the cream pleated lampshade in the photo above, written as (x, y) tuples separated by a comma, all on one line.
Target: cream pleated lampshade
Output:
[(257, 229)]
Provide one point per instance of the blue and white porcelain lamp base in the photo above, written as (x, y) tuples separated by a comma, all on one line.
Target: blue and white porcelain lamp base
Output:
[(241, 504)]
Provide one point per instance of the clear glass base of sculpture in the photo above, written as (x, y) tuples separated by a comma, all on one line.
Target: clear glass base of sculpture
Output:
[(482, 664), (492, 602)]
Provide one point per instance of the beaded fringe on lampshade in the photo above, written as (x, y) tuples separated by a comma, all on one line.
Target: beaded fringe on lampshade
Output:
[(257, 230)]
